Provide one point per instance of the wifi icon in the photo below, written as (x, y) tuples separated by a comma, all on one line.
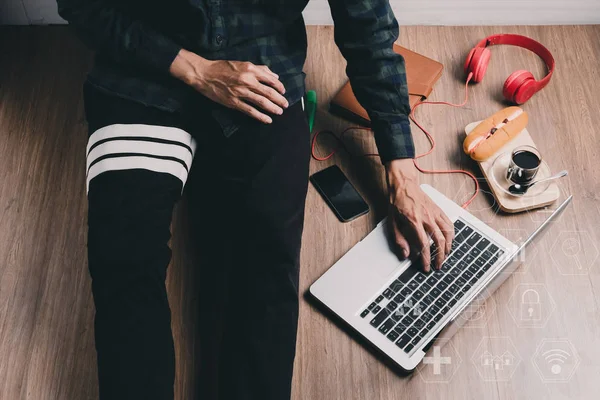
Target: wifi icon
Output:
[(555, 359)]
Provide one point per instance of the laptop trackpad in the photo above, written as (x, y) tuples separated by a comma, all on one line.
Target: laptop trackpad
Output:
[(384, 270), (383, 259)]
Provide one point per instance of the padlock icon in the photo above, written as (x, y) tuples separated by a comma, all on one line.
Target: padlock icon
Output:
[(531, 308)]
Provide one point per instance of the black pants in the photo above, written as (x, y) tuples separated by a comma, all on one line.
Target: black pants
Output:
[(254, 183)]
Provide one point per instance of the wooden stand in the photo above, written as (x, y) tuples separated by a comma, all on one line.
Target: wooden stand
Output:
[(508, 203)]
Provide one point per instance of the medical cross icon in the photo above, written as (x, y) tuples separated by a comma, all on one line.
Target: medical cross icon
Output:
[(437, 360)]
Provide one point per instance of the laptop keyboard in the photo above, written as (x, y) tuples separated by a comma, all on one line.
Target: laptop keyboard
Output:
[(415, 302)]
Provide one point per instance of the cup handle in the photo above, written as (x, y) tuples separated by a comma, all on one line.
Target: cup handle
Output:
[(509, 172)]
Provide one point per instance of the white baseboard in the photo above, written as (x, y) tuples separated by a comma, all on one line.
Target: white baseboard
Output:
[(408, 12), (478, 12)]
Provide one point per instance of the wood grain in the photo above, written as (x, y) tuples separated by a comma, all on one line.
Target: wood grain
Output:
[(46, 309)]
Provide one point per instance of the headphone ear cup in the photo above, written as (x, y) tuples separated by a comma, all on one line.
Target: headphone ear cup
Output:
[(468, 61), (479, 61), (519, 87)]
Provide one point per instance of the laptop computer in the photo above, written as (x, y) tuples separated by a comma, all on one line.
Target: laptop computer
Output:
[(401, 310)]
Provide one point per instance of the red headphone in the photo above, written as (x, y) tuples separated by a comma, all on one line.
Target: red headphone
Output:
[(521, 85)]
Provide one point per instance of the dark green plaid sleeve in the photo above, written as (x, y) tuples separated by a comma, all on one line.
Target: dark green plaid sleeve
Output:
[(126, 40), (365, 31)]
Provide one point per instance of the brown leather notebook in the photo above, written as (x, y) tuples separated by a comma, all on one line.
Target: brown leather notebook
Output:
[(421, 73)]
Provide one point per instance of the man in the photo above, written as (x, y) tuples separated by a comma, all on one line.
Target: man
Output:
[(219, 82)]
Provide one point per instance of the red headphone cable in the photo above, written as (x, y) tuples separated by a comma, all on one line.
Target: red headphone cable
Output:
[(432, 142), (340, 141), (429, 137)]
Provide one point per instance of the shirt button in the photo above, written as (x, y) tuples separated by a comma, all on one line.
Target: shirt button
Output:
[(219, 39)]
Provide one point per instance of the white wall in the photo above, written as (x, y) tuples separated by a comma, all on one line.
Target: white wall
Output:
[(479, 12), (24, 12), (408, 12)]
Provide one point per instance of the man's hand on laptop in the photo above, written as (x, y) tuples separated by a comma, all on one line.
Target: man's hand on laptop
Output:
[(416, 217), (240, 85)]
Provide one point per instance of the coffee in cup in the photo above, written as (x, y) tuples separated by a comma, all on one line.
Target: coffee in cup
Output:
[(524, 164)]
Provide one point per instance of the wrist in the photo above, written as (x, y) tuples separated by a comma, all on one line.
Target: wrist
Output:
[(188, 67), (401, 172)]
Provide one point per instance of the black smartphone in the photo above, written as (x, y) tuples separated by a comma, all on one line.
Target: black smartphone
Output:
[(339, 193)]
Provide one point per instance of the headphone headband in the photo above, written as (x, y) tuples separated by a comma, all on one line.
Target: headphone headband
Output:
[(526, 43)]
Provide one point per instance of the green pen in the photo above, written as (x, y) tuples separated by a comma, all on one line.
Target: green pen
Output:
[(311, 107)]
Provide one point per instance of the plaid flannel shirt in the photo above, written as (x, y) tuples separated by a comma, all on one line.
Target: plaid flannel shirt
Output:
[(136, 41)]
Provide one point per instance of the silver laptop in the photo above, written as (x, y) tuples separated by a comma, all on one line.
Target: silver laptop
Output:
[(401, 310)]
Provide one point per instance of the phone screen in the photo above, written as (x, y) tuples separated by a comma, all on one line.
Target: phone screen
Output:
[(339, 193)]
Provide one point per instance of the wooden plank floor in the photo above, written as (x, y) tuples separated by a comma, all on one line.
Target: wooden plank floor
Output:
[(46, 309)]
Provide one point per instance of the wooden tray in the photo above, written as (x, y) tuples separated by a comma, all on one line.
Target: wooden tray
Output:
[(508, 203)]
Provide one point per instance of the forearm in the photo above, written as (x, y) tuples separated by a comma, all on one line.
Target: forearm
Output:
[(365, 34)]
